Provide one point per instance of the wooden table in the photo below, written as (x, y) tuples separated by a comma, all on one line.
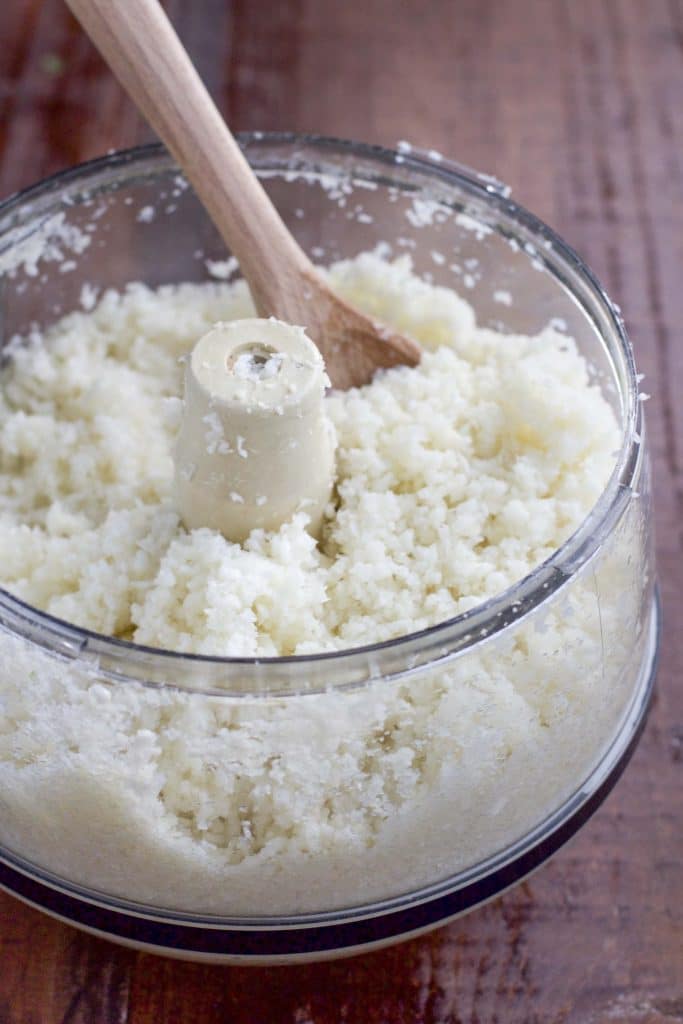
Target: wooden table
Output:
[(578, 105)]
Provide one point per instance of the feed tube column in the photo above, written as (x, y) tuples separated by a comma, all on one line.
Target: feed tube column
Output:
[(254, 445)]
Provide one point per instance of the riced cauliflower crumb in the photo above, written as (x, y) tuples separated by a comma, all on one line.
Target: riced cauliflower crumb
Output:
[(455, 479)]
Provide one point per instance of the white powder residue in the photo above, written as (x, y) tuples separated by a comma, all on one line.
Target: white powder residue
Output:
[(48, 243), (477, 227), (222, 270), (558, 323), (424, 212), (249, 366), (214, 437), (88, 296), (146, 215)]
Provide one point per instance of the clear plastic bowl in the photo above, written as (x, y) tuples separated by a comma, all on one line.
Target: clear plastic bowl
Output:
[(492, 798)]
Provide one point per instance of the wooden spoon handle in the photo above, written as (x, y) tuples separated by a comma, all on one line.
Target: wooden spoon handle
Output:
[(141, 47)]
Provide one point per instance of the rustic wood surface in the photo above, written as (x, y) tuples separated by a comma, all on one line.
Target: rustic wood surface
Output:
[(578, 105)]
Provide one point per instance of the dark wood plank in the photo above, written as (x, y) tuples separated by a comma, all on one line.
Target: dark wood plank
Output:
[(576, 104), (51, 973)]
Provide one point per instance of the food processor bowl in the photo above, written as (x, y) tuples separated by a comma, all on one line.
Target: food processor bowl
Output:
[(506, 726)]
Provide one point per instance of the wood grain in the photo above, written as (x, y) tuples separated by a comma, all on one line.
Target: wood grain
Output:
[(577, 105)]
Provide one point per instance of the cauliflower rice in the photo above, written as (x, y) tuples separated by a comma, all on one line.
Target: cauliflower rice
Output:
[(455, 479)]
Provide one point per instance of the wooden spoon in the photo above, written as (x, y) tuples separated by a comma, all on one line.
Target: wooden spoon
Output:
[(141, 47)]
